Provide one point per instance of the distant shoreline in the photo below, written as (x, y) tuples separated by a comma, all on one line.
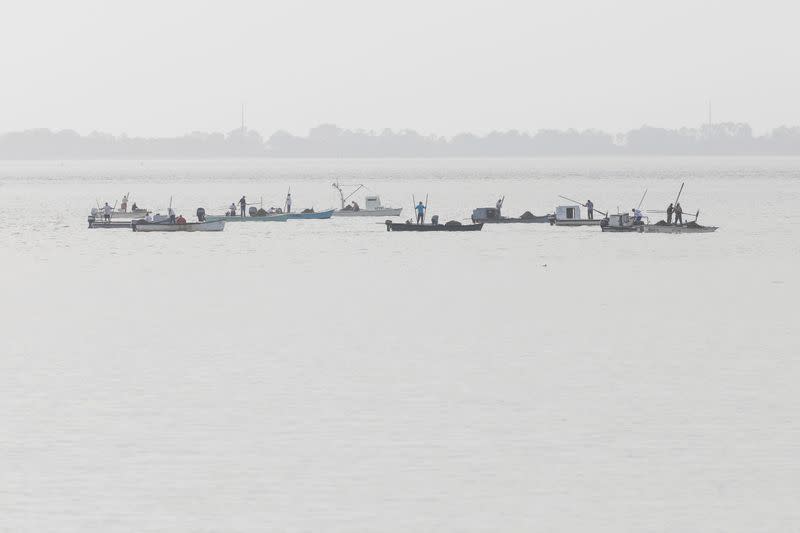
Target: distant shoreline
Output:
[(331, 142)]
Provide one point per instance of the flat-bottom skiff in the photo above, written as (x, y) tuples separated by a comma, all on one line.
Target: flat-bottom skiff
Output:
[(141, 225), (449, 226)]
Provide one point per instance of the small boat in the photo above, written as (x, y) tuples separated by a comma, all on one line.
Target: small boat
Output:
[(277, 217), (142, 225), (453, 225), (310, 214), (100, 223), (372, 206), (570, 215), (662, 226), (621, 222), (120, 215), (491, 215)]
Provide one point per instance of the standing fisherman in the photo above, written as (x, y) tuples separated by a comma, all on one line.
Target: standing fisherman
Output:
[(171, 213), (288, 202), (420, 213), (499, 206), (670, 210), (678, 214), (242, 207), (590, 209), (124, 204), (107, 210)]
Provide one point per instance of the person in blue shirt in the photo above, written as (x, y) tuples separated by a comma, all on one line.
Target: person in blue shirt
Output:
[(420, 213)]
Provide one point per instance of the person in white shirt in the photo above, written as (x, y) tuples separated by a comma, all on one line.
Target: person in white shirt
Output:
[(171, 214), (637, 216), (107, 210), (148, 217)]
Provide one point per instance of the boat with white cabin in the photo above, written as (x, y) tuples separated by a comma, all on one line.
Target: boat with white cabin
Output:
[(372, 206), (570, 215)]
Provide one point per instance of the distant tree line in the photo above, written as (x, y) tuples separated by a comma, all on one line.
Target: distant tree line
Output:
[(331, 141)]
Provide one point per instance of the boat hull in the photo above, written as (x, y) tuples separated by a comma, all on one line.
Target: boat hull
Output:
[(543, 219), (432, 227), (311, 216), (268, 218), (95, 223), (385, 212), (658, 228), (639, 228), (577, 222), (218, 225)]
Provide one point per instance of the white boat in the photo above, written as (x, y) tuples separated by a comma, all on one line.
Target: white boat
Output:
[(372, 206), (142, 225), (570, 215)]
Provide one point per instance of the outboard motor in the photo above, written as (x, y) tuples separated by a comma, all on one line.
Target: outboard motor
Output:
[(435, 220), (201, 214)]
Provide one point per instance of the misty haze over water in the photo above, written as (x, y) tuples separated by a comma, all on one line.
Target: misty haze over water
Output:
[(330, 375), (329, 140)]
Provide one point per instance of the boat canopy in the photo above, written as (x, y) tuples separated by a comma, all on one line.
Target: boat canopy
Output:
[(485, 213), (568, 212), (372, 202), (619, 219)]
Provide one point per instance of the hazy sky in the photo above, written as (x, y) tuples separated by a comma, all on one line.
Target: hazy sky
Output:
[(172, 66)]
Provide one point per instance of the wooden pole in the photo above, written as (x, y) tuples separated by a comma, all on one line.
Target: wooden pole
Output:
[(661, 211), (584, 205), (642, 200), (679, 193)]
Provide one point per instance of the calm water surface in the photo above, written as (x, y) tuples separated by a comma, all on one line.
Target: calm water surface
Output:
[(331, 376)]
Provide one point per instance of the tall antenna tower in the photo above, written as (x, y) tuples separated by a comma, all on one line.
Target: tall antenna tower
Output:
[(709, 112)]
